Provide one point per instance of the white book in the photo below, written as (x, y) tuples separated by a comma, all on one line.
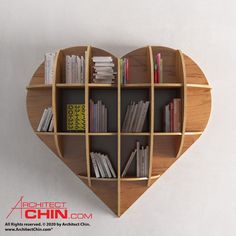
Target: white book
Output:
[(103, 119), (140, 104), (142, 160), (105, 129), (138, 159), (79, 80), (130, 117), (126, 118), (48, 119), (96, 76), (133, 117), (100, 167), (83, 69), (102, 164), (140, 116), (128, 163), (68, 69), (43, 118), (102, 59), (146, 162), (103, 69), (74, 69), (105, 64), (51, 126), (110, 166), (49, 67), (143, 116), (105, 73), (106, 166), (102, 81), (95, 166)]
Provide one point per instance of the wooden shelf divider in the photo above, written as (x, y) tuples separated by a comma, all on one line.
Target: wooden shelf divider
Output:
[(182, 74), (57, 75), (151, 137), (87, 115), (118, 134)]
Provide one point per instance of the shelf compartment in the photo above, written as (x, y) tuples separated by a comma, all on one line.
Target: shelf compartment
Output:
[(105, 145), (128, 144), (169, 57), (38, 77), (163, 97), (109, 99), (100, 52), (61, 64), (198, 107), (73, 152), (64, 97), (164, 152), (37, 101), (139, 71), (135, 95), (49, 140), (107, 191)]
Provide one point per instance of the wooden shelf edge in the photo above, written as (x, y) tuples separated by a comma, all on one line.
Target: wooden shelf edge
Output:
[(93, 85), (167, 133), (168, 85), (103, 134), (141, 85), (71, 85), (39, 86), (204, 86), (97, 179), (45, 133), (135, 134)]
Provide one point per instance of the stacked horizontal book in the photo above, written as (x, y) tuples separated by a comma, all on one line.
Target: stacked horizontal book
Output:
[(103, 70), (141, 154), (158, 68), (172, 116), (75, 68), (46, 121), (102, 165), (135, 116), (124, 70), (49, 60), (98, 116)]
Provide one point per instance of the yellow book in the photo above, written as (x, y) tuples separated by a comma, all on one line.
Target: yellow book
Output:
[(75, 117)]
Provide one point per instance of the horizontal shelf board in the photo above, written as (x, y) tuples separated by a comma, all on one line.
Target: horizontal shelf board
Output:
[(206, 86), (70, 133), (167, 85), (167, 133), (193, 133), (44, 133), (103, 134), (98, 179), (39, 86), (135, 134), (139, 178), (93, 85), (71, 85), (142, 85)]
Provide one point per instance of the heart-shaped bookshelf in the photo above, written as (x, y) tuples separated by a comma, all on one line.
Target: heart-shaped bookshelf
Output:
[(164, 77)]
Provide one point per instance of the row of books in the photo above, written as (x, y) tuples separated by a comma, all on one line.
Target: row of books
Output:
[(124, 69), (75, 68), (172, 116), (102, 165), (141, 154), (46, 121), (49, 60), (103, 71), (158, 68), (98, 116), (135, 116)]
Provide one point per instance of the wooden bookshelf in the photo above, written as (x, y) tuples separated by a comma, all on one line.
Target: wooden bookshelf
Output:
[(182, 79)]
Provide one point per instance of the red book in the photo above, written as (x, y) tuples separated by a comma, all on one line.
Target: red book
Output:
[(158, 59), (172, 116), (155, 72)]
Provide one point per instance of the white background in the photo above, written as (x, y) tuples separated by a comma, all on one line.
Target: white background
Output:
[(197, 196)]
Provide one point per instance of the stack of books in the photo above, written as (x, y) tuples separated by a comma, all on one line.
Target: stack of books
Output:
[(158, 68), (46, 122), (103, 71), (124, 69), (98, 116), (142, 161), (135, 116), (172, 116), (102, 165), (49, 60), (75, 69), (75, 117)]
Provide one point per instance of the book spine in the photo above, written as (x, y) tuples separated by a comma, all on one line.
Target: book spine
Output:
[(100, 166), (110, 166), (95, 167), (42, 121), (128, 163), (127, 70), (172, 117), (158, 67), (138, 160), (106, 166)]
